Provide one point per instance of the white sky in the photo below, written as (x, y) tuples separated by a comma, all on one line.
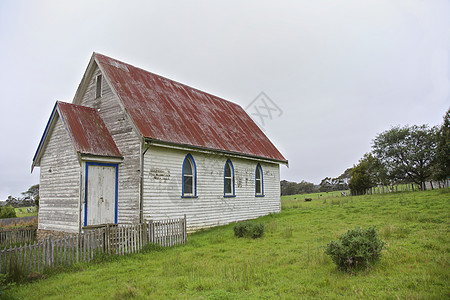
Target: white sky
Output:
[(340, 71)]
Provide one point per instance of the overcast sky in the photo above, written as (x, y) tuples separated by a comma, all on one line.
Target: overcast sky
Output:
[(339, 72)]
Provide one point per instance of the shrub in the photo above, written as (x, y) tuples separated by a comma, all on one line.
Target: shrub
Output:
[(257, 231), (7, 212), (249, 229), (356, 249)]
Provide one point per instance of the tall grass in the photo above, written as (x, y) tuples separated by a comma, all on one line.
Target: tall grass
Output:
[(287, 262)]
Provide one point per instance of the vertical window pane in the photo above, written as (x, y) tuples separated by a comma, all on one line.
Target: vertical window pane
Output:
[(258, 186), (187, 167), (228, 170), (228, 189), (188, 184)]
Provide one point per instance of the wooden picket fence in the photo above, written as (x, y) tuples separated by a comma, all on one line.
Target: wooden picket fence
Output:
[(111, 239), (17, 236)]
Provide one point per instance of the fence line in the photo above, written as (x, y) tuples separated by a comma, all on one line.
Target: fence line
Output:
[(17, 236), (112, 239), (18, 221)]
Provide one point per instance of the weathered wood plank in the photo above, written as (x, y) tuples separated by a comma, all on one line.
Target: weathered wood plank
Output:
[(121, 240), (59, 168), (128, 142), (162, 189)]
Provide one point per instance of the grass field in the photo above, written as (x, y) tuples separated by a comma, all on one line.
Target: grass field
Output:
[(374, 190), (22, 212), (288, 262), (313, 196)]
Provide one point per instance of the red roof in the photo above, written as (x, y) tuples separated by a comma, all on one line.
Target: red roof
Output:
[(87, 130), (168, 111)]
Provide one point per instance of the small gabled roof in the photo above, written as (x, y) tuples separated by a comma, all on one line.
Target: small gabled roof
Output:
[(167, 111), (86, 129)]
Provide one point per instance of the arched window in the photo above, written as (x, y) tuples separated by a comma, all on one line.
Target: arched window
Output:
[(228, 180), (189, 177), (259, 182)]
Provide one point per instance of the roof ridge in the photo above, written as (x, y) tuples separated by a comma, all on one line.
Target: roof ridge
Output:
[(77, 105)]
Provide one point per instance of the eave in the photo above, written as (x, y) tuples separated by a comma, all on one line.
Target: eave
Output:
[(211, 150)]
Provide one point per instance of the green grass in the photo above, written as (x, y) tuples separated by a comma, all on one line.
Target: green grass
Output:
[(313, 196), (287, 262), (325, 195), (22, 212)]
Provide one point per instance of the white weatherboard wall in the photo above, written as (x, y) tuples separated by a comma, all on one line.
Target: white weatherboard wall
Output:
[(163, 188), (59, 189), (127, 141)]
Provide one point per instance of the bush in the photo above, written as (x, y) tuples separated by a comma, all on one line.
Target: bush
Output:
[(7, 212), (356, 249), (249, 229)]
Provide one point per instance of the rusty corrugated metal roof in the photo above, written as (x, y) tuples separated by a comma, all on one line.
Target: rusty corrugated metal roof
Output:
[(87, 130), (168, 111)]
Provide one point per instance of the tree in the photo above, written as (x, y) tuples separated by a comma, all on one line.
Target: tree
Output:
[(368, 173), (293, 188), (32, 194), (345, 177), (376, 170), (360, 180), (12, 201), (7, 212), (326, 185), (407, 153), (306, 187), (442, 159)]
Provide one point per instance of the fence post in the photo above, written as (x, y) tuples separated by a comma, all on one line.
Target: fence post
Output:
[(185, 230), (151, 231), (1, 261), (38, 255), (30, 256), (50, 251), (12, 256), (144, 234), (107, 239)]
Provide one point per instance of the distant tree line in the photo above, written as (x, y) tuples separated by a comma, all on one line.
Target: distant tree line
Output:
[(400, 155), (327, 184), (29, 198), (408, 154), (293, 188)]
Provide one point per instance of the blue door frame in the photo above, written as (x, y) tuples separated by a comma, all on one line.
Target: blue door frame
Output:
[(116, 166)]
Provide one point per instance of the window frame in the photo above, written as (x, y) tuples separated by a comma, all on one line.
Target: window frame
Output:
[(190, 160), (261, 179), (231, 178), (98, 86)]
